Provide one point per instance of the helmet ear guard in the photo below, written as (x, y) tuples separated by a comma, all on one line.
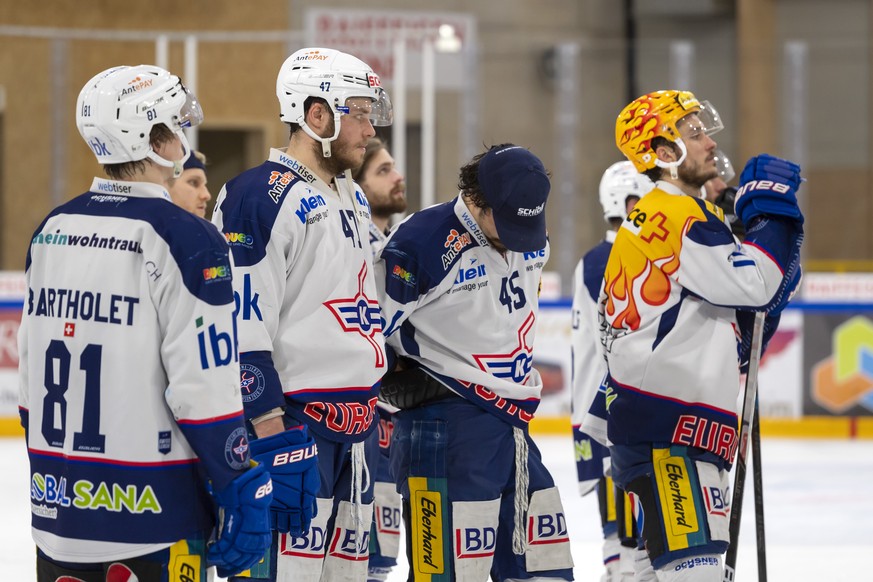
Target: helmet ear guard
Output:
[(335, 77), (657, 115), (117, 109)]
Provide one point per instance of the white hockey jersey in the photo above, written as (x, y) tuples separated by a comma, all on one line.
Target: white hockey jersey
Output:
[(309, 326), (465, 313), (673, 281), (129, 378), (589, 364)]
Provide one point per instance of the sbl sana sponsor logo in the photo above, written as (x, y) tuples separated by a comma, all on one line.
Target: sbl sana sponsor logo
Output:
[(114, 497)]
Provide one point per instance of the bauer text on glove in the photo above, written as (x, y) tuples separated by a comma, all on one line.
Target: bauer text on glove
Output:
[(291, 458)]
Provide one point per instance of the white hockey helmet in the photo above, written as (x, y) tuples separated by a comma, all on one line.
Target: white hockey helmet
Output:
[(620, 181), (117, 109), (335, 77)]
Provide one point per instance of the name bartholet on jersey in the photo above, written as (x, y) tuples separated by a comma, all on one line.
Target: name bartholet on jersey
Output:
[(81, 305)]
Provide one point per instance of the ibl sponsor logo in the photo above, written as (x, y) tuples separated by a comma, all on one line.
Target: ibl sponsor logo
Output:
[(217, 348)]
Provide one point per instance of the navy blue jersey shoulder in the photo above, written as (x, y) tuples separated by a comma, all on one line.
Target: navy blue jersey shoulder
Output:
[(713, 232), (195, 244), (593, 267), (423, 249), (249, 210)]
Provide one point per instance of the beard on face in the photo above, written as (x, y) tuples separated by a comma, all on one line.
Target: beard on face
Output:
[(695, 175), (391, 204), (343, 155)]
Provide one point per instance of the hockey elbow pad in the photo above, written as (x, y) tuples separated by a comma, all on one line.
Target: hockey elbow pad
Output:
[(411, 388), (291, 457), (243, 522)]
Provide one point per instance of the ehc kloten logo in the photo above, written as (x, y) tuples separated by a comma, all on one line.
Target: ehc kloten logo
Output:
[(846, 378)]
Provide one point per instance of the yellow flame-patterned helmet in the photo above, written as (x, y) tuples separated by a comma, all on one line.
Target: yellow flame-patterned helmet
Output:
[(656, 115)]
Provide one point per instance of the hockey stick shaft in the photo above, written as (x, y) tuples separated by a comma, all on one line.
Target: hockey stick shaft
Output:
[(749, 399), (758, 482)]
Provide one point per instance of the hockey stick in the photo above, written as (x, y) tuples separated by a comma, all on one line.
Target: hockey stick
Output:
[(757, 480), (749, 399)]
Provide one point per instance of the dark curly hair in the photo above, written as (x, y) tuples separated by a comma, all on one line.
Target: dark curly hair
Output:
[(468, 181)]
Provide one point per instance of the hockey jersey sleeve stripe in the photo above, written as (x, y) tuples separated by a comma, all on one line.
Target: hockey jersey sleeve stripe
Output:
[(113, 462), (766, 253), (232, 417), (324, 394)]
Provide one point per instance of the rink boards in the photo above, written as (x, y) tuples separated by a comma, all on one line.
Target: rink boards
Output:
[(816, 379)]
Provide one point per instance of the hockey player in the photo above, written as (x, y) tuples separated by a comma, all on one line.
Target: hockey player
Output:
[(385, 189), (458, 285), (129, 390), (311, 344), (189, 190), (677, 305), (621, 187)]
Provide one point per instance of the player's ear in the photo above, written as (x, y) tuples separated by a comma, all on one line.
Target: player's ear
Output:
[(666, 152), (319, 116)]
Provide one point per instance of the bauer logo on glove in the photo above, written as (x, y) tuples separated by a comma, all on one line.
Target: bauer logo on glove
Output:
[(768, 188), (291, 458), (764, 185), (295, 456)]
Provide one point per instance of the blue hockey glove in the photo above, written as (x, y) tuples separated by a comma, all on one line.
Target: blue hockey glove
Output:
[(243, 521), (291, 458), (768, 187)]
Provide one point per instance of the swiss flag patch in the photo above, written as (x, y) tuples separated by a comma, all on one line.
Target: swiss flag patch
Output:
[(69, 329)]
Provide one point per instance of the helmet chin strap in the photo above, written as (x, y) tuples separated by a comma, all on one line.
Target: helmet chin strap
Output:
[(177, 165), (325, 141), (674, 166)]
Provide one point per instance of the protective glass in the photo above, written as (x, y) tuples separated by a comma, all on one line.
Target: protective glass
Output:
[(709, 118), (190, 114), (380, 112), (723, 166)]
